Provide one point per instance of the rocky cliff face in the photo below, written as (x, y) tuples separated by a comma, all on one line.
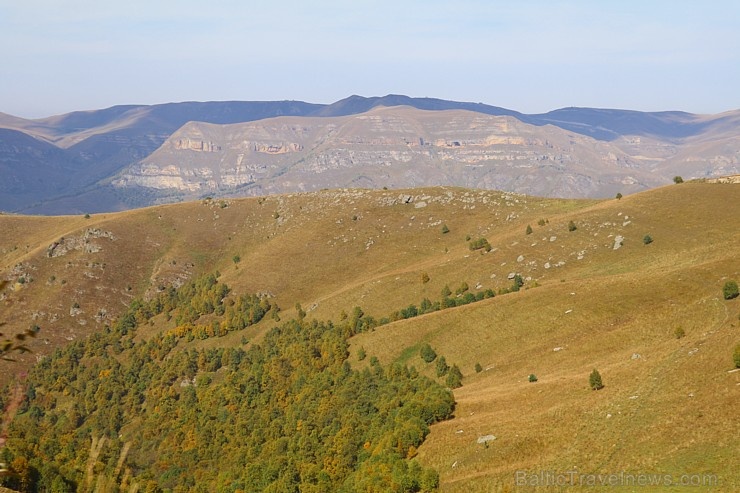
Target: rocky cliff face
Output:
[(392, 147), (66, 164)]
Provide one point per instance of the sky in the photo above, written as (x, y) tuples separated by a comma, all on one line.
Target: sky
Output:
[(527, 55)]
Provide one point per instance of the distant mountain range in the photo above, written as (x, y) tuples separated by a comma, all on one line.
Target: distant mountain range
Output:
[(131, 156)]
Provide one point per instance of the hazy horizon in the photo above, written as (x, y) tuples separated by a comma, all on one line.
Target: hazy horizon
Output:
[(531, 57)]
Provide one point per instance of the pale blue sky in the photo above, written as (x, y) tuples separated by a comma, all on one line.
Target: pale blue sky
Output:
[(532, 56)]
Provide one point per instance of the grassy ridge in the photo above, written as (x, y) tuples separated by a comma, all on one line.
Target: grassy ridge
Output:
[(671, 408)]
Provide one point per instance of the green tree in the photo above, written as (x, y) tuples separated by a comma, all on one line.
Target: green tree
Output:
[(441, 367), (427, 353), (478, 368), (480, 243), (532, 378), (463, 288), (594, 380), (572, 226), (730, 290), (529, 229), (677, 180), (299, 311), (647, 239), (429, 480), (619, 196), (454, 377), (518, 283)]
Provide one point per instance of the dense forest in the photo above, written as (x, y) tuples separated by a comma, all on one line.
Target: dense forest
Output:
[(288, 414)]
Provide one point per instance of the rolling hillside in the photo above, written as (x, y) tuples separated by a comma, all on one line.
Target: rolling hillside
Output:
[(594, 297)]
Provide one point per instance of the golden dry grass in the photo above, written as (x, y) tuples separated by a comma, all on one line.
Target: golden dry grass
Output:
[(672, 409)]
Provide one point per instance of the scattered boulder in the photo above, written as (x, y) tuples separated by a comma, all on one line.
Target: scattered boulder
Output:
[(486, 438), (618, 240)]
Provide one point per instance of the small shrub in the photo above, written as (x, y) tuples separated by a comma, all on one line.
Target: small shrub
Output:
[(572, 226), (679, 332), (424, 278), (619, 196), (87, 216), (442, 366), (300, 311), (532, 378), (541, 222), (647, 239), (517, 284), (445, 229), (427, 353), (479, 368), (462, 289), (480, 243), (677, 180), (361, 354), (594, 380), (529, 229), (446, 291), (236, 259), (730, 290), (467, 237), (454, 378), (736, 356)]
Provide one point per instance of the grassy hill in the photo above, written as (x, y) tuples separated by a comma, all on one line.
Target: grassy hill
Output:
[(667, 405)]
